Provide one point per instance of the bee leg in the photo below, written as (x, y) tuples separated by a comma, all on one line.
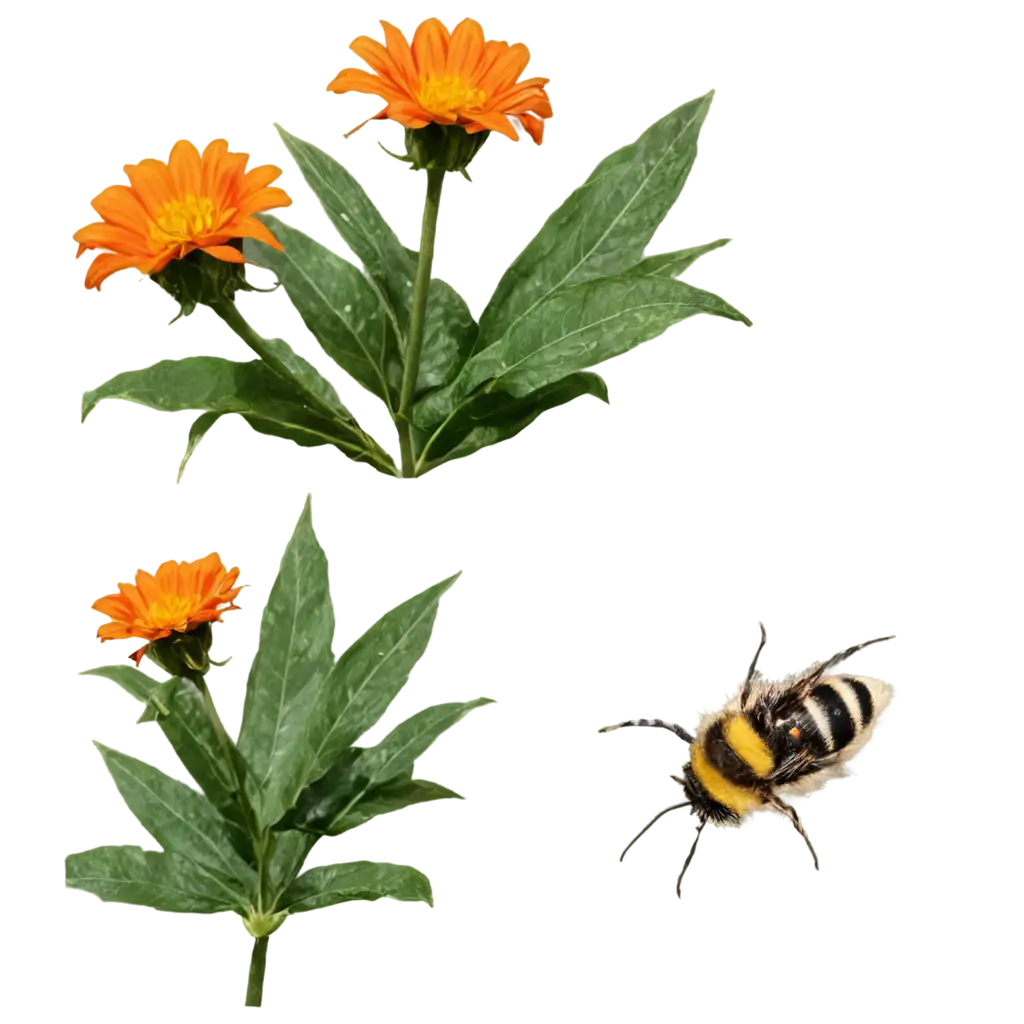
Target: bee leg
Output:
[(790, 812), (648, 723), (689, 857), (643, 829)]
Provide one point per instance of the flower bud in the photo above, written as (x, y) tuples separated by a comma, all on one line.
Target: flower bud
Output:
[(201, 279), (183, 654), (445, 146)]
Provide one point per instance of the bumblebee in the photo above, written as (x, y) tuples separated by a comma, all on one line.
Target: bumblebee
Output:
[(773, 739)]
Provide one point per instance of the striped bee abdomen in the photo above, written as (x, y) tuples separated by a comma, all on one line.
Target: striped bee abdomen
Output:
[(835, 714)]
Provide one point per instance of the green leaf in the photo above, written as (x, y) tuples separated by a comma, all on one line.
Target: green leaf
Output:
[(354, 216), (572, 329), (147, 691), (324, 797), (290, 852), (202, 387), (338, 305), (320, 805), (187, 384), (340, 817), (194, 739), (492, 416), (354, 695), (672, 264), (361, 880), (412, 739), (603, 227), (296, 425), (182, 821), (164, 881), (449, 336), (294, 657)]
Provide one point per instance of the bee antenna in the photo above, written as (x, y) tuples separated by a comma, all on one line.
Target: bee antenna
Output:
[(689, 857), (654, 722), (753, 667)]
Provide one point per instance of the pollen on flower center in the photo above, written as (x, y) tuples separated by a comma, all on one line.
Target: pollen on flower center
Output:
[(171, 611), (448, 95), (183, 220)]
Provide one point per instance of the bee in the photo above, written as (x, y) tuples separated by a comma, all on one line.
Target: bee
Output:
[(771, 740)]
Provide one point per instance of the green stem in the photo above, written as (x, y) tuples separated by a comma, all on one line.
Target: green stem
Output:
[(229, 313), (414, 345), (257, 968), (230, 756)]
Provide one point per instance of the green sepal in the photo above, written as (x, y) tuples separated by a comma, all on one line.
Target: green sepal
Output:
[(202, 279), (449, 147), (261, 925)]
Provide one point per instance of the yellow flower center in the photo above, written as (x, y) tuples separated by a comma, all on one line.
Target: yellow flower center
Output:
[(183, 220), (171, 611), (448, 95)]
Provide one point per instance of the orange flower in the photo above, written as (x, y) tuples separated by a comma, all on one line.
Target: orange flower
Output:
[(449, 79), (191, 202), (180, 597)]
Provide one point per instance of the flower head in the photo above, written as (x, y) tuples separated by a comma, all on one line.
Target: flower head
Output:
[(170, 210), (179, 599), (449, 79)]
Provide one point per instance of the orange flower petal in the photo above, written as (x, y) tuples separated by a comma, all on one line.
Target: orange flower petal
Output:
[(153, 184), (107, 237), (265, 199), (353, 80), (252, 228), (466, 50), (430, 47), (260, 177), (227, 253), (106, 264), (120, 205), (495, 121), (409, 114), (184, 167), (398, 47), (533, 126), (380, 60)]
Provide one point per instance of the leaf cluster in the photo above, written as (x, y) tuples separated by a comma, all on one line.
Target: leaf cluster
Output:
[(580, 292), (294, 774)]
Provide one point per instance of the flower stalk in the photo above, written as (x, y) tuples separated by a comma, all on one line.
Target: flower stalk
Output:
[(262, 922), (257, 969), (231, 315), (414, 345)]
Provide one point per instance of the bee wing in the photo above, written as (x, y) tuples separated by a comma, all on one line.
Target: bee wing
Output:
[(802, 763), (775, 698), (664, 835)]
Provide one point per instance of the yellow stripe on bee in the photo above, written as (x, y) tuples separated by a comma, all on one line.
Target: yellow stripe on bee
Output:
[(752, 750), (738, 799)]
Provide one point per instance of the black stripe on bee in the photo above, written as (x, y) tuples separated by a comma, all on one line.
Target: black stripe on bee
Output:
[(839, 718), (863, 699), (721, 755)]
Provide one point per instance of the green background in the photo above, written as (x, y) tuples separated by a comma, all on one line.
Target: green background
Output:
[(878, 250)]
